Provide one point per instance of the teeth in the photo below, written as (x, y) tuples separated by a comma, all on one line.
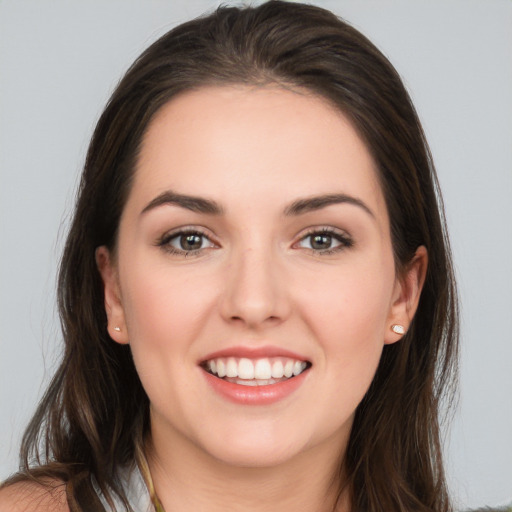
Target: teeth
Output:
[(221, 368), (298, 367), (246, 382), (245, 369), (288, 369), (253, 382), (231, 368), (277, 369), (262, 369), (261, 372)]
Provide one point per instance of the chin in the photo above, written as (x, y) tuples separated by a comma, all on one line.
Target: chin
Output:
[(260, 450), (257, 457)]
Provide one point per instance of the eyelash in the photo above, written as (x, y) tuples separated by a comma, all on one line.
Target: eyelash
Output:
[(165, 242), (344, 240)]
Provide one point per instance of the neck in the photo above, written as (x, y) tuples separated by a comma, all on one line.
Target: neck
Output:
[(185, 478)]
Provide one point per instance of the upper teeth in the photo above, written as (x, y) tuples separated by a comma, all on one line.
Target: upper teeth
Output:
[(265, 368)]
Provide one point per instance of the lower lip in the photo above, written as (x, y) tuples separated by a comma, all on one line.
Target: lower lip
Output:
[(255, 395)]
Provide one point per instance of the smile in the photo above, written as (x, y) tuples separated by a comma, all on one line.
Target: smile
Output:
[(255, 377), (255, 372)]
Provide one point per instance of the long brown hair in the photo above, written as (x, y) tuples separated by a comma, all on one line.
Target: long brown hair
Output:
[(94, 417)]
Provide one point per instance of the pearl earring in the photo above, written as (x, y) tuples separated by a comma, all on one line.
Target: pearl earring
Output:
[(117, 328), (398, 329)]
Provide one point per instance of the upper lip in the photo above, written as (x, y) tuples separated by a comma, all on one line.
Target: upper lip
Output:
[(253, 353)]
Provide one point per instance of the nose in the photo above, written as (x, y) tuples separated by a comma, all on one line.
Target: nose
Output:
[(255, 292)]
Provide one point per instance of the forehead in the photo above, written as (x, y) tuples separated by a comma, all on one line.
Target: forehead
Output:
[(239, 143)]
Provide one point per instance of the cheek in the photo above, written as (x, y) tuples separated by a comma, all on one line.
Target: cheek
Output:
[(348, 317), (163, 316), (350, 304), (163, 311), (160, 301)]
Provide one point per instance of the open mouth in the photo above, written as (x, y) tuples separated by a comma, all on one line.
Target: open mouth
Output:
[(255, 372)]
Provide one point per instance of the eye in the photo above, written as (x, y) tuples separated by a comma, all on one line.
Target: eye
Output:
[(185, 242), (325, 241)]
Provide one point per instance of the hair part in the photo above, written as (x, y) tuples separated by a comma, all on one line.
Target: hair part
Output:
[(94, 417)]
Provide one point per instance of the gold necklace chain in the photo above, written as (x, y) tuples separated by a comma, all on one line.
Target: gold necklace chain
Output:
[(143, 465)]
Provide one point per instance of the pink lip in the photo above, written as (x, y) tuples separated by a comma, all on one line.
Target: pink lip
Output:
[(254, 353), (255, 395)]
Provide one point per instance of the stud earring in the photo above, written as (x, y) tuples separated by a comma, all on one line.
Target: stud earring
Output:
[(117, 328), (398, 329)]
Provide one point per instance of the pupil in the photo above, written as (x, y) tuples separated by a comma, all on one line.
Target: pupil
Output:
[(190, 242), (321, 241)]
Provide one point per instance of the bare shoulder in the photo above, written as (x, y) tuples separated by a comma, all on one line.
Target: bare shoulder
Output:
[(33, 497)]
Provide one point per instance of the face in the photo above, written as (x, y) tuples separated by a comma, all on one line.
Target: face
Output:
[(254, 276)]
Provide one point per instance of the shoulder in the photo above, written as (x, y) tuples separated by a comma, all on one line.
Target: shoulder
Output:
[(28, 496)]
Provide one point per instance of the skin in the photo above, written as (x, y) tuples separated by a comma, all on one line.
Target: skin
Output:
[(34, 497), (256, 282)]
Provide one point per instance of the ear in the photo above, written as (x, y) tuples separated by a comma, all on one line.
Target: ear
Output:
[(406, 296), (113, 304)]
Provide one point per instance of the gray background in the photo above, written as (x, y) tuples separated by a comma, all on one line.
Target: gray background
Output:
[(59, 60)]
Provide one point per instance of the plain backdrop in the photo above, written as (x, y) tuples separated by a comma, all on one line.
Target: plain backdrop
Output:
[(60, 59)]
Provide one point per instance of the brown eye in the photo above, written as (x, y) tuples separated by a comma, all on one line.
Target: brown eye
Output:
[(186, 242), (321, 242), (325, 242), (190, 242)]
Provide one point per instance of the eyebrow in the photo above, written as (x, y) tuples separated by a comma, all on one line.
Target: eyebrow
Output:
[(210, 207), (195, 204), (318, 202)]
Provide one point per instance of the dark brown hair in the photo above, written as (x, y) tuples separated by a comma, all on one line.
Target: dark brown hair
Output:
[(94, 417)]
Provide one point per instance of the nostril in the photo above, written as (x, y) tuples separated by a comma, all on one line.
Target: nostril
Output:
[(254, 320)]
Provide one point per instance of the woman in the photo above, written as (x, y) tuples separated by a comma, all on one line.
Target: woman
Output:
[(256, 292)]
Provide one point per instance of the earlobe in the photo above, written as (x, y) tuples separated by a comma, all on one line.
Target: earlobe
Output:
[(406, 296), (113, 304)]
